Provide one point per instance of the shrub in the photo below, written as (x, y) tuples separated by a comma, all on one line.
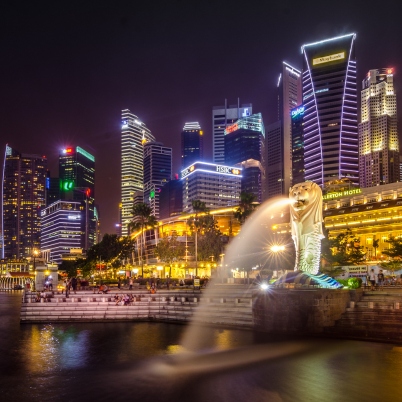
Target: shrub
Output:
[(354, 283), (343, 282)]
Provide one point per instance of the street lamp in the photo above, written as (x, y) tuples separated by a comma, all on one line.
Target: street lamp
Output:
[(35, 254)]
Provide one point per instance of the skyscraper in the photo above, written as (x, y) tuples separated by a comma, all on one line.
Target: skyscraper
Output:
[(378, 133), (330, 110), (134, 134), (245, 145), (223, 116), (24, 179), (192, 144), (279, 151), (77, 183), (171, 199), (297, 145), (157, 172)]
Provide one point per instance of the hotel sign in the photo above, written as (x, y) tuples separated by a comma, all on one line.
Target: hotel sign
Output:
[(340, 194), (327, 59)]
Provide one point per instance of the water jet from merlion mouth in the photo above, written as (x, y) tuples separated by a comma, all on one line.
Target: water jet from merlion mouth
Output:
[(251, 248)]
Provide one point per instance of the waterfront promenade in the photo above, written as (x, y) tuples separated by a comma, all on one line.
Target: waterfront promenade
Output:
[(352, 314)]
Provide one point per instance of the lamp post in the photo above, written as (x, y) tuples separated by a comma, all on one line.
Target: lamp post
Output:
[(35, 254)]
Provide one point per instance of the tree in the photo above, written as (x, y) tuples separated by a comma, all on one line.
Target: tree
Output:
[(246, 207), (142, 219), (344, 249), (210, 242), (195, 223), (376, 243), (111, 250), (168, 250), (394, 253), (395, 249)]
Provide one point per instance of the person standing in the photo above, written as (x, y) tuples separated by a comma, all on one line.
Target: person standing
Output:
[(50, 282), (66, 286), (74, 284), (131, 284), (119, 284), (380, 278), (372, 279)]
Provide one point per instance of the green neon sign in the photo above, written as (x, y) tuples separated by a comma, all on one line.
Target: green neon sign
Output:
[(67, 185)]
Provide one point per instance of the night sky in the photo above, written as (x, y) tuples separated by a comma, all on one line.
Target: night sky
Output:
[(68, 69)]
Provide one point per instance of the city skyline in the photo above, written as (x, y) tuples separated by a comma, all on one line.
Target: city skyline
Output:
[(72, 93)]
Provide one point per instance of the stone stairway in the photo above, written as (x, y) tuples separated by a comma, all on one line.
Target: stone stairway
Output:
[(218, 306), (377, 316)]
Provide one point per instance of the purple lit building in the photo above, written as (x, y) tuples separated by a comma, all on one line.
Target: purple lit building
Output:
[(330, 110)]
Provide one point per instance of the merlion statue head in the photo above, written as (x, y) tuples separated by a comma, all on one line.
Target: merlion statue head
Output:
[(306, 204)]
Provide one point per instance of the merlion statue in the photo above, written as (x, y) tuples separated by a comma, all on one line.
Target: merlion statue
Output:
[(306, 224)]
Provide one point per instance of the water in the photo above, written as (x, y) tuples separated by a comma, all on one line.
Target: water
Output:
[(252, 246), (145, 362)]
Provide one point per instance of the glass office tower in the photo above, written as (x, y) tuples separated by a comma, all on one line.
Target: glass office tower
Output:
[(77, 183), (330, 110), (192, 144), (245, 145), (157, 172), (134, 134)]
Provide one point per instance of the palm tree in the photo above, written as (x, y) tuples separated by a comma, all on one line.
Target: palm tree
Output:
[(376, 243), (246, 206), (142, 220), (198, 207)]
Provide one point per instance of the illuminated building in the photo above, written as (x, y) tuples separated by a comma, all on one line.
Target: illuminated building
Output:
[(157, 172), (371, 213), (216, 185), (245, 145), (171, 199), (223, 116), (62, 229), (278, 134), (378, 133), (77, 183), (24, 179), (52, 189), (178, 226), (134, 134), (192, 144), (297, 145), (330, 110)]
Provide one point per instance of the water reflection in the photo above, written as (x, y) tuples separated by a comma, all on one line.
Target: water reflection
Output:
[(146, 362)]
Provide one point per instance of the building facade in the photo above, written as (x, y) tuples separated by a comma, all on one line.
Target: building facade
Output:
[(171, 199), (223, 116), (23, 195), (330, 110), (157, 172), (296, 115), (245, 145), (216, 185), (192, 144), (279, 151), (77, 183), (134, 134), (378, 132), (63, 229)]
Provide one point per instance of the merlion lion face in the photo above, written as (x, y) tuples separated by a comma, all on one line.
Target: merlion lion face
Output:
[(300, 195)]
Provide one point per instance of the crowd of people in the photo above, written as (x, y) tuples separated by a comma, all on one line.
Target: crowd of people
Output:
[(124, 300), (379, 280)]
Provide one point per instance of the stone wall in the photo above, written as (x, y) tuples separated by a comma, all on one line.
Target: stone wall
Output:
[(300, 311)]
